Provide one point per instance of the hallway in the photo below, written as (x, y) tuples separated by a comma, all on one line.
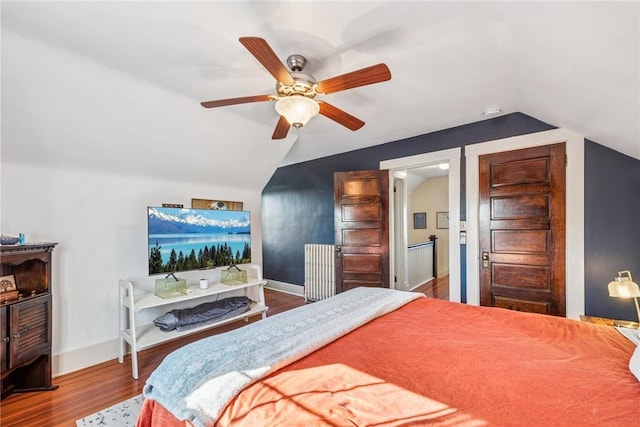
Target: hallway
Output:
[(436, 288)]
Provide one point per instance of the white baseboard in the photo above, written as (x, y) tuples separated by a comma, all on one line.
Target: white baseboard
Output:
[(444, 272), (74, 360), (287, 288), (417, 286)]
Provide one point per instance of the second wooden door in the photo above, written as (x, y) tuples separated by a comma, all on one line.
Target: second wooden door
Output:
[(522, 229), (361, 229)]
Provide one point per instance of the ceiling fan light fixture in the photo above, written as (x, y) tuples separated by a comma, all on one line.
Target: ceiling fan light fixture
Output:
[(297, 109)]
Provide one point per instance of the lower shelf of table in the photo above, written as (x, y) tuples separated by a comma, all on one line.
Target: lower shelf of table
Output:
[(150, 335)]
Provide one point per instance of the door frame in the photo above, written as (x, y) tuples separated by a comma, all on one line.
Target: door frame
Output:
[(452, 156), (574, 258), (399, 217)]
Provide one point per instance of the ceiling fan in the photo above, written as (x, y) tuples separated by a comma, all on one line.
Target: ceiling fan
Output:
[(296, 91)]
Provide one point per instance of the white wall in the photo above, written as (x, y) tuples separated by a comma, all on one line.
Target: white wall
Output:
[(431, 196), (100, 223)]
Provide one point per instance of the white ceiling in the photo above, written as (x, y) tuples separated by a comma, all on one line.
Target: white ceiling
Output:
[(417, 176), (116, 86)]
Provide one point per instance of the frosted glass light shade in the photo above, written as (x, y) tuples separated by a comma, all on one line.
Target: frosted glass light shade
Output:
[(622, 287), (297, 109)]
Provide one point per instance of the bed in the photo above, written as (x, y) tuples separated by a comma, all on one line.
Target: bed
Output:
[(390, 358)]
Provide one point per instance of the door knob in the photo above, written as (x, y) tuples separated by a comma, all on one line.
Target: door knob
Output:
[(485, 259)]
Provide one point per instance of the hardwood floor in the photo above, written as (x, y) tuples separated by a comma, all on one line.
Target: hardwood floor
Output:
[(436, 288), (89, 390)]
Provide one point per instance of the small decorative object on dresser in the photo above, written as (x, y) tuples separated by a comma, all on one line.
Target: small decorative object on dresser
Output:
[(8, 240), (8, 290)]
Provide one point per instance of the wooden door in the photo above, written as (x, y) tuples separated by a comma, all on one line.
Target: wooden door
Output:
[(522, 229), (361, 229)]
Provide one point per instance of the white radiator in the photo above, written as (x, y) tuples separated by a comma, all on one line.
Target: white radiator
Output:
[(319, 272)]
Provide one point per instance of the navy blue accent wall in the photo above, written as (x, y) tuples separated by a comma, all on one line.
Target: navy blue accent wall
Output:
[(297, 203), (612, 229)]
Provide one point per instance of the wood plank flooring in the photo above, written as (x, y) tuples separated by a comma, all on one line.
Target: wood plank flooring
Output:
[(89, 390), (436, 288)]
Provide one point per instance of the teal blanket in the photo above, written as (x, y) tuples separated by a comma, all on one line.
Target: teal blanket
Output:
[(197, 381)]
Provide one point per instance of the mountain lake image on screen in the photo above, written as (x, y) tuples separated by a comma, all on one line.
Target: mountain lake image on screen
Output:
[(182, 239)]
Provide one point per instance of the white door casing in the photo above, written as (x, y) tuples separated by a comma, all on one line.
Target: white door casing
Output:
[(574, 210), (451, 156)]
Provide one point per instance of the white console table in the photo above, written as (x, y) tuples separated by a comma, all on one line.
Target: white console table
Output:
[(140, 337)]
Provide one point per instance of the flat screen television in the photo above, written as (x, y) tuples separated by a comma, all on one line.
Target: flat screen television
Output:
[(182, 239)]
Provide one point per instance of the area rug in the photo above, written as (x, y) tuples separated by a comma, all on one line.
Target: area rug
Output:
[(123, 414)]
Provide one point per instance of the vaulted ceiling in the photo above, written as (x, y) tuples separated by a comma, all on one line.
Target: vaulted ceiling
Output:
[(116, 86)]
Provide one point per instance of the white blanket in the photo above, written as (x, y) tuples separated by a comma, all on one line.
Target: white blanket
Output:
[(196, 382)]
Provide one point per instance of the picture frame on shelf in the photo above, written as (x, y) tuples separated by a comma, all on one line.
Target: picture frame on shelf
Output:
[(420, 220), (8, 283), (216, 204), (8, 288), (442, 219)]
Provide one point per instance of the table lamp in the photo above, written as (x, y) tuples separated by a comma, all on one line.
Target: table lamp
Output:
[(623, 286)]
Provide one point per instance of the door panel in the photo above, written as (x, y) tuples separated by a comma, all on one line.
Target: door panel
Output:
[(526, 206), (361, 212), (522, 229), (518, 241), (361, 229), (366, 237), (514, 276), (521, 305), (521, 172)]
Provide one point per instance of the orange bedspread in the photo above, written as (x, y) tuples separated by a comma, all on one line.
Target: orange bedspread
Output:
[(434, 362)]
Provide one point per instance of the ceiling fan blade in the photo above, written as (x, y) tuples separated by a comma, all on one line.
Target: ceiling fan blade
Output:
[(365, 76), (233, 101), (267, 57), (282, 128), (340, 116)]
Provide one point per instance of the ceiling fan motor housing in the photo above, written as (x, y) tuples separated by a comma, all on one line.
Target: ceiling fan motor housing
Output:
[(296, 62)]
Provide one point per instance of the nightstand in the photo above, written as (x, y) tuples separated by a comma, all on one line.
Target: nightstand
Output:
[(609, 322)]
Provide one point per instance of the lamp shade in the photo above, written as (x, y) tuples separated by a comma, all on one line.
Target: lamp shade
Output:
[(297, 109), (623, 287)]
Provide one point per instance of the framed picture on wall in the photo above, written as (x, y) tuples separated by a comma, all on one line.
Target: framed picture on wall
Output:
[(420, 220), (442, 219), (216, 204)]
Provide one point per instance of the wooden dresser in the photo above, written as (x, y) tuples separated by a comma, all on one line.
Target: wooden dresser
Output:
[(25, 322)]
